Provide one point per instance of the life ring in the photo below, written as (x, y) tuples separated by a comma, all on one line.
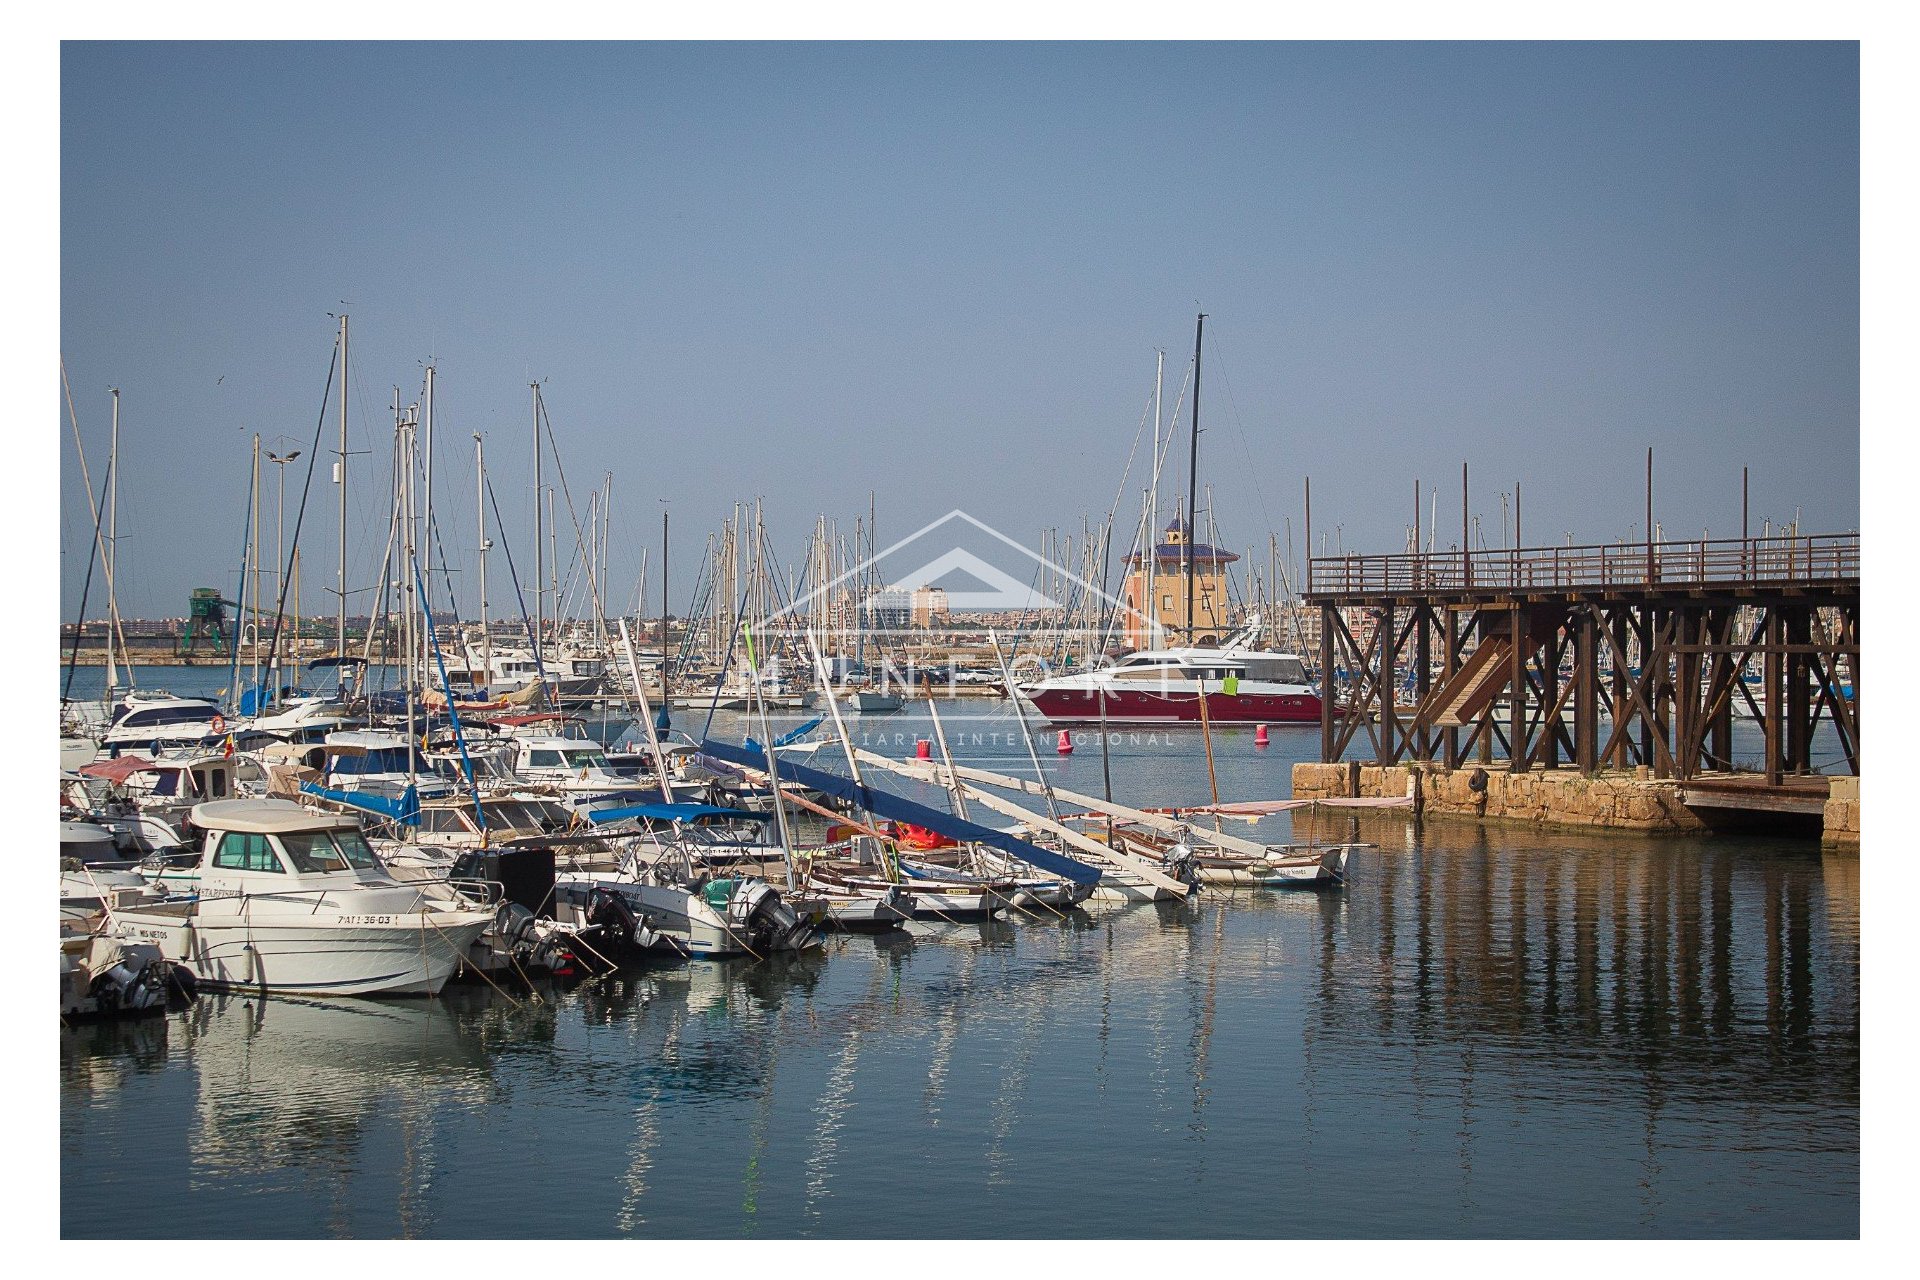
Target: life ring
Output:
[(219, 723)]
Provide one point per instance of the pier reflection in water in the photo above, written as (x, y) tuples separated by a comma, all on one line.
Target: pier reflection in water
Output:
[(1483, 1035)]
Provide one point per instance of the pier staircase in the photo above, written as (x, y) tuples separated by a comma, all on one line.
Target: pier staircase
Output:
[(1468, 692)]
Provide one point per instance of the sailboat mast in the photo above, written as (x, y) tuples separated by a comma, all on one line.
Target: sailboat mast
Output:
[(663, 608), (480, 512), (113, 548), (426, 527), (255, 542), (1151, 544), (1193, 470), (340, 478), (113, 492), (539, 547)]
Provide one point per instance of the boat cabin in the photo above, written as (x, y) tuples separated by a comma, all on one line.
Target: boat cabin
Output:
[(250, 839)]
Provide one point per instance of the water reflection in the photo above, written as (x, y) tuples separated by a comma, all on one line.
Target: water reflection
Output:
[(1667, 1028)]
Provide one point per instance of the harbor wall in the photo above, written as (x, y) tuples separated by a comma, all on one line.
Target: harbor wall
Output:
[(1618, 801), (1840, 820)]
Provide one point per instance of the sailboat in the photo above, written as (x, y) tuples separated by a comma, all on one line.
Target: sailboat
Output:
[(1232, 683)]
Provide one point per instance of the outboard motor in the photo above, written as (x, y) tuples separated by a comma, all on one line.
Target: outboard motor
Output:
[(1181, 865), (760, 917)]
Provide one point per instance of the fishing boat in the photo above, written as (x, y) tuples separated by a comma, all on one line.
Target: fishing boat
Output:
[(291, 899)]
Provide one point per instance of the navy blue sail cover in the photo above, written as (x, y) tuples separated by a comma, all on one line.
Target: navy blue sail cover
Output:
[(902, 809)]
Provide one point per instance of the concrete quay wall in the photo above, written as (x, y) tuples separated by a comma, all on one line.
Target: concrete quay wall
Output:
[(1620, 801), (1614, 801), (1841, 817)]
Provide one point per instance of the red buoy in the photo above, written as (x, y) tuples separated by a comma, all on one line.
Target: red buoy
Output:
[(1066, 743), (1260, 735), (922, 749)]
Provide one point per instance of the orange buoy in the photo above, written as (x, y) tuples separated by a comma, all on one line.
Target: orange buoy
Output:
[(1260, 735), (922, 749), (1066, 743)]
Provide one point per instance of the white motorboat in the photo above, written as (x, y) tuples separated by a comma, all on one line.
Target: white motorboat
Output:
[(709, 920), (153, 722), (380, 763), (305, 718), (1243, 685), (857, 700), (291, 899)]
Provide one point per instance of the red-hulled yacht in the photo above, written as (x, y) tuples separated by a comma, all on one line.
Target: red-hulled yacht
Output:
[(1243, 685)]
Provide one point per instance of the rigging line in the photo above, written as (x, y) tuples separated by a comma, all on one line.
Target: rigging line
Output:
[(106, 563), (1233, 408), (739, 621), (500, 527), (313, 456), (1127, 470), (579, 537), (86, 586)]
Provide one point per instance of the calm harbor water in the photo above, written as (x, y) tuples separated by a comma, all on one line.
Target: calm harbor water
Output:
[(1486, 1033)]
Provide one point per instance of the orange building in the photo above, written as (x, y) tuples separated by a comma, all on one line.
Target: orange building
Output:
[(1169, 609)]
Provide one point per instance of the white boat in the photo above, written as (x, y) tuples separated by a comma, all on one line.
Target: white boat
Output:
[(709, 920), (576, 769), (305, 718), (857, 700), (1155, 686), (102, 975), (381, 763), (291, 899), (154, 722)]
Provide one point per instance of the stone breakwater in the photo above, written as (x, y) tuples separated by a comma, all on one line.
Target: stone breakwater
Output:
[(1618, 801)]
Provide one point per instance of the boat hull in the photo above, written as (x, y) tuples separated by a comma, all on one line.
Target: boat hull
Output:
[(1139, 706), (402, 954)]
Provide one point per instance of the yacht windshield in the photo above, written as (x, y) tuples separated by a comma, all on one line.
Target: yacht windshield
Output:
[(379, 760), (318, 852)]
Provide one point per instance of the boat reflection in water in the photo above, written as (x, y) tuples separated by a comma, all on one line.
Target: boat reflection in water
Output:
[(1514, 1035)]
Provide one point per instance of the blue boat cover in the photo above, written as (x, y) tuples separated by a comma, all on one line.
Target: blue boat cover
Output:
[(673, 813), (787, 738), (405, 809), (902, 809)]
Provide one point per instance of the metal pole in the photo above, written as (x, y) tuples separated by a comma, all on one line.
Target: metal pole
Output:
[(113, 494), (480, 512), (539, 547), (340, 642), (1193, 470), (663, 605), (1649, 530), (1466, 539)]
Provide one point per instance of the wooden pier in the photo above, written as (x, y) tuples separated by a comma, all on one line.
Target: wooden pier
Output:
[(1599, 658)]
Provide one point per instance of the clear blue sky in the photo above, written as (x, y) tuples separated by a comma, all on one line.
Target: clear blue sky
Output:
[(940, 271)]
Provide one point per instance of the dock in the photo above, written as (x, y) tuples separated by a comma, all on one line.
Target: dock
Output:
[(1594, 664)]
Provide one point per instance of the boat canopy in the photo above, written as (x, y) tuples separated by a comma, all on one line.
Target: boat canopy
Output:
[(674, 813), (270, 816), (118, 769), (902, 809), (402, 808)]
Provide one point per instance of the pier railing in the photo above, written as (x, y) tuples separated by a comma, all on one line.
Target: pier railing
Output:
[(1783, 561)]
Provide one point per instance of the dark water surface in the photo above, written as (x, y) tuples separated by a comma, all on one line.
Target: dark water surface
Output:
[(1475, 1038), (1486, 1033)]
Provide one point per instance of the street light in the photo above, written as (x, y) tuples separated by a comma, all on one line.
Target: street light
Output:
[(279, 541)]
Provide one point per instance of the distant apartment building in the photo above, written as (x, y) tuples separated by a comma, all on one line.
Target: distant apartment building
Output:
[(930, 607)]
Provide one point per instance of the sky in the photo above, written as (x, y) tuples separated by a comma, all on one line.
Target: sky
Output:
[(940, 273)]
